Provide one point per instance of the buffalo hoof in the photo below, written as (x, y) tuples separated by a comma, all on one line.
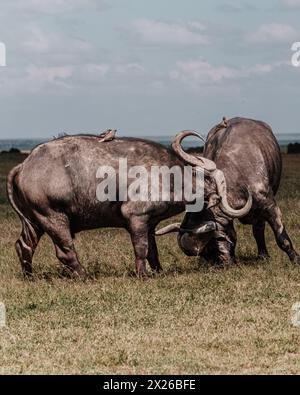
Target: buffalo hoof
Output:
[(28, 276), (296, 260), (83, 276), (230, 261), (223, 263), (156, 271), (143, 276), (263, 257), (80, 273)]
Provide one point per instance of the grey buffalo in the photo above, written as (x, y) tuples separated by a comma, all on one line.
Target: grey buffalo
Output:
[(249, 156), (54, 192)]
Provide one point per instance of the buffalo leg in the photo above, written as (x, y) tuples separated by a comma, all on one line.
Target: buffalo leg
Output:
[(259, 235), (232, 239), (226, 252), (152, 256), (66, 253), (140, 241), (57, 227), (225, 246), (274, 218), (26, 245)]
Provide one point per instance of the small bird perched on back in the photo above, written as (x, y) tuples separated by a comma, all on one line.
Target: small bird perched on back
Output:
[(223, 124), (108, 135)]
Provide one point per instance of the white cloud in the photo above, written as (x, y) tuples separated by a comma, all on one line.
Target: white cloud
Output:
[(290, 3), (40, 76), (274, 33), (52, 6), (40, 41), (66, 78), (49, 74), (34, 79), (197, 72), (160, 33), (231, 6), (107, 73), (129, 68)]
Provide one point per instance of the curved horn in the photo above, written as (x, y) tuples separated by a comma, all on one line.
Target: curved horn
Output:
[(219, 177), (168, 229), (209, 226), (215, 173), (205, 163)]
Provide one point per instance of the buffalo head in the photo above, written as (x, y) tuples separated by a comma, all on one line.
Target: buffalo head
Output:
[(198, 229)]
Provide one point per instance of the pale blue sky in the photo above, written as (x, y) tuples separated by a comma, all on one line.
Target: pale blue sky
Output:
[(146, 67)]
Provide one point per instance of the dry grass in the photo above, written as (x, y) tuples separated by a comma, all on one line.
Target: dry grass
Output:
[(192, 319)]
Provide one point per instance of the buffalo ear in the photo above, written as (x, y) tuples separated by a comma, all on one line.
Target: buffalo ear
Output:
[(168, 229), (213, 200)]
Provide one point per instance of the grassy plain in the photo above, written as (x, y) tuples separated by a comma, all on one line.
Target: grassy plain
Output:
[(194, 318)]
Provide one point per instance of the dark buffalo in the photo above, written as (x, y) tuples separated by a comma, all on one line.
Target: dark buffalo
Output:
[(249, 156), (54, 192)]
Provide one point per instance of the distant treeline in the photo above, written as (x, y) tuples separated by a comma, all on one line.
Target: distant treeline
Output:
[(12, 151), (195, 150), (292, 148)]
